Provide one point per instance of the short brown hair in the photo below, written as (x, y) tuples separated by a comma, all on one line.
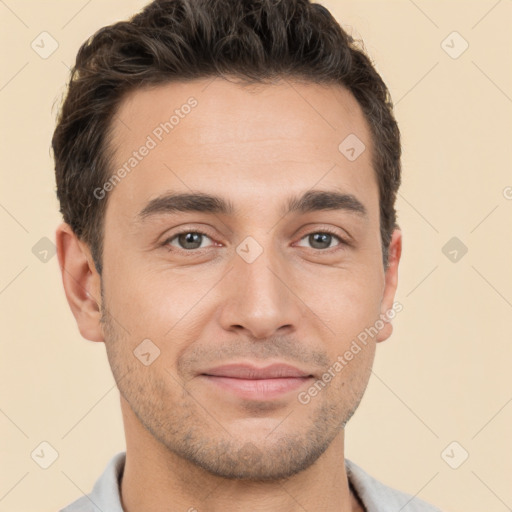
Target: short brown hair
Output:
[(179, 40)]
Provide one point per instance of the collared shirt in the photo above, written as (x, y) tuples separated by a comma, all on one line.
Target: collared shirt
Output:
[(375, 496)]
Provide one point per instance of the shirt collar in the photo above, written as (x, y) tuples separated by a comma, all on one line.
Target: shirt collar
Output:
[(375, 496)]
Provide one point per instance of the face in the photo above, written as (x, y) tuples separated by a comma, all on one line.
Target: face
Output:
[(224, 288)]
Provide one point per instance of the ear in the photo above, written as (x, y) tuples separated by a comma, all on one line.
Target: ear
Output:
[(82, 283), (391, 283)]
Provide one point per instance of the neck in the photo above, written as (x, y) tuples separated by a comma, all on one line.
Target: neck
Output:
[(154, 478)]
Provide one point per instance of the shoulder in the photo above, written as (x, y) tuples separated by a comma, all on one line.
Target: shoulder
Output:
[(105, 494), (378, 497)]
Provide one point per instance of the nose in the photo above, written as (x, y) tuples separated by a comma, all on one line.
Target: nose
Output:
[(260, 298)]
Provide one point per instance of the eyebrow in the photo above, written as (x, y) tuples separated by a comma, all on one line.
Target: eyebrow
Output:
[(310, 201)]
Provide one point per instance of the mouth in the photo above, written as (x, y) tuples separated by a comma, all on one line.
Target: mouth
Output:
[(252, 383)]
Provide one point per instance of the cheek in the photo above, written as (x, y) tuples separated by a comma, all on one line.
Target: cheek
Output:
[(348, 300), (158, 304)]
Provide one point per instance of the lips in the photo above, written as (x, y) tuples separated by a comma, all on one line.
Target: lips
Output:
[(249, 382), (245, 371)]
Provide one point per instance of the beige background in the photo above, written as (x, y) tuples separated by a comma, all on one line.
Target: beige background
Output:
[(444, 375)]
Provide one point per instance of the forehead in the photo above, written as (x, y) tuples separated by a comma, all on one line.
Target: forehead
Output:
[(250, 142), (240, 112)]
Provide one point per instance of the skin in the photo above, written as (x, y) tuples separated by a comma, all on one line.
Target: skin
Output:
[(190, 443)]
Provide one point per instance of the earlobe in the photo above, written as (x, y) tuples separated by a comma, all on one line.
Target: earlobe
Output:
[(81, 281), (391, 282)]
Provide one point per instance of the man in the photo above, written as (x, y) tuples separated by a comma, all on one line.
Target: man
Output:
[(227, 172)]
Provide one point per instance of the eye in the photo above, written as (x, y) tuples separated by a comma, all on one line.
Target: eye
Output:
[(190, 241), (187, 240), (322, 240)]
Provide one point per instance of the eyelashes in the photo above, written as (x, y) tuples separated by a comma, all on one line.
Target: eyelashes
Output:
[(199, 237)]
